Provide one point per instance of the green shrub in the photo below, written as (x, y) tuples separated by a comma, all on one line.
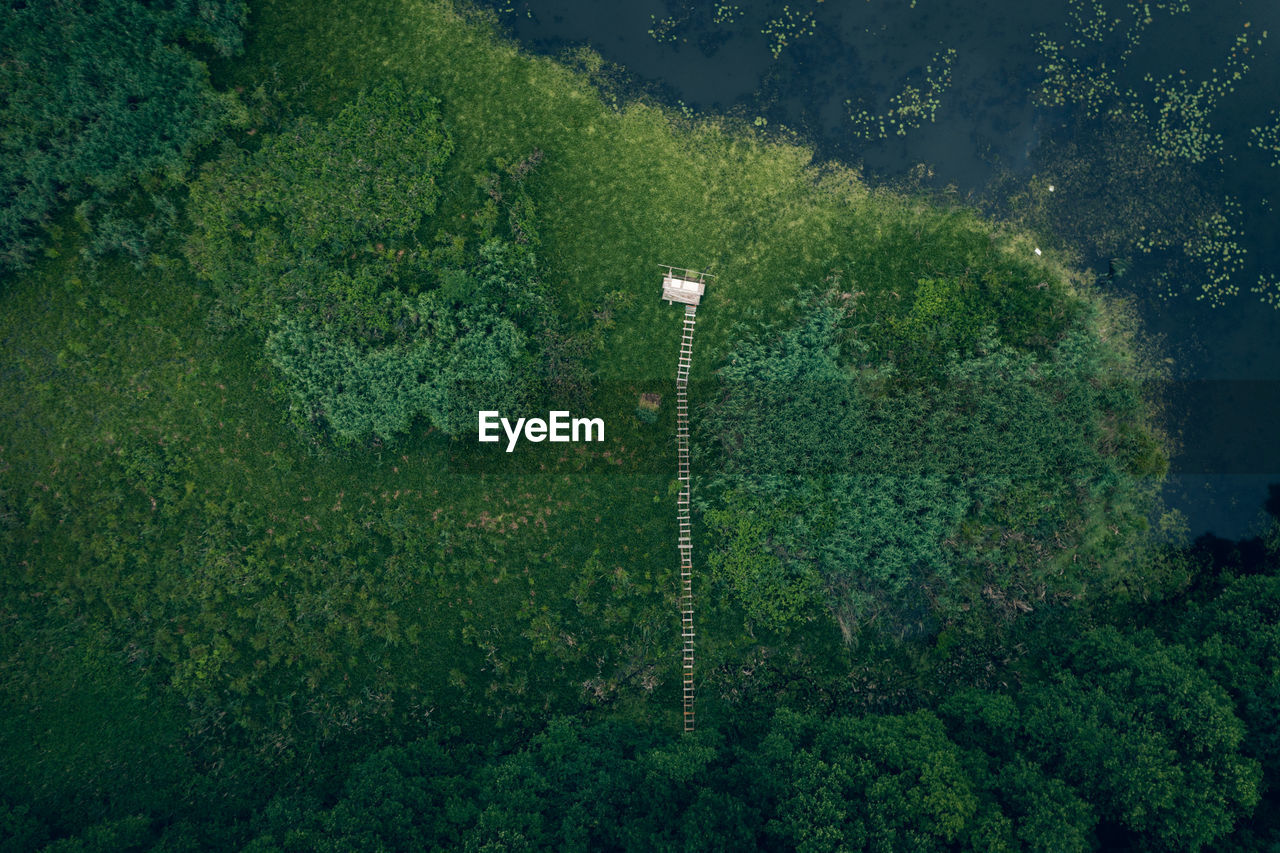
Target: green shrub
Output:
[(312, 241), (901, 496), (302, 225), (93, 97)]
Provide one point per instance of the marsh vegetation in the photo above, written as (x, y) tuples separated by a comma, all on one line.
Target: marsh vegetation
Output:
[(265, 590)]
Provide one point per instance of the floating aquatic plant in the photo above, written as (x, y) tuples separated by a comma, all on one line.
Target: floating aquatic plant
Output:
[(788, 27), (1093, 24), (726, 13), (1268, 290), (910, 108), (1267, 137), (1171, 117), (1076, 73), (1183, 110), (667, 29), (1216, 249)]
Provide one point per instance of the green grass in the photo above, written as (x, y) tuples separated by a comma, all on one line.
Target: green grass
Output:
[(470, 550)]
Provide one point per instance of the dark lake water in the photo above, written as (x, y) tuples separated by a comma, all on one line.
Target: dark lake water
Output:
[(954, 84)]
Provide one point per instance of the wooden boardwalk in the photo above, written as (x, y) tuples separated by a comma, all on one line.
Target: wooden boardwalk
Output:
[(682, 510)]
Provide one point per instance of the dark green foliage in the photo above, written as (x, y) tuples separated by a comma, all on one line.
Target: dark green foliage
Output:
[(899, 499), (1041, 811), (420, 796), (19, 830), (357, 394), (447, 363), (96, 95), (1237, 633), (1146, 737), (877, 783), (1128, 725), (570, 787), (1242, 646), (124, 834), (1126, 737)]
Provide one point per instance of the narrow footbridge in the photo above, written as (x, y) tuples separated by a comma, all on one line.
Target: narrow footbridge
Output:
[(685, 287)]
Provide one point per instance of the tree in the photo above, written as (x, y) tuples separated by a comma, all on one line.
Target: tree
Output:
[(1237, 637), (877, 782), (1145, 736)]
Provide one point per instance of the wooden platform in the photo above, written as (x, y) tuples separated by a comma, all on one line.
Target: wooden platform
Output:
[(683, 286)]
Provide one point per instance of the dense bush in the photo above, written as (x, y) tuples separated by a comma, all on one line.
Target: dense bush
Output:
[(448, 362), (96, 95), (312, 242), (292, 227), (890, 499)]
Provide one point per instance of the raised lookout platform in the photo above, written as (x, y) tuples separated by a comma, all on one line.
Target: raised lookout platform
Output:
[(684, 286)]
